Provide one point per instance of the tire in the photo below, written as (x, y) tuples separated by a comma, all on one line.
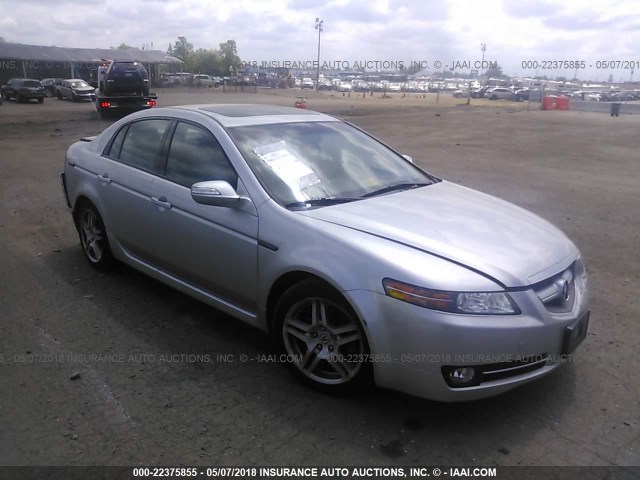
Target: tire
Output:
[(41, 100), (493, 97), (323, 338), (73, 97), (93, 237), (60, 97)]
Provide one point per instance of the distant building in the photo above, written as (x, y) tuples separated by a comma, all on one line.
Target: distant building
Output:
[(37, 61)]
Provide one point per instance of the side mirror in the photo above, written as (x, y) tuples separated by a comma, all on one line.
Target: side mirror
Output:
[(408, 158), (217, 193)]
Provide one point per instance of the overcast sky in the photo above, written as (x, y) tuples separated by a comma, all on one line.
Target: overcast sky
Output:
[(354, 30)]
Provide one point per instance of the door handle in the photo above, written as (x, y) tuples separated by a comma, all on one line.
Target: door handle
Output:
[(161, 202), (104, 178)]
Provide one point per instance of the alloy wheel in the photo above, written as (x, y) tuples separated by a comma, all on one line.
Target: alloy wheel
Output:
[(91, 236), (323, 341)]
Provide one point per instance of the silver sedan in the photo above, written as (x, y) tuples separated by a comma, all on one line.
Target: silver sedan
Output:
[(364, 268)]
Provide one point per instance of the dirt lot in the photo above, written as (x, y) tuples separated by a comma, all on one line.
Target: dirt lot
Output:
[(143, 400)]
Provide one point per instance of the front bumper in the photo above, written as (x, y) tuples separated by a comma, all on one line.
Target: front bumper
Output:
[(414, 348), (30, 95), (85, 96)]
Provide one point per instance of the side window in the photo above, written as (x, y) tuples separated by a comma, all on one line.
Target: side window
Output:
[(116, 145), (141, 144), (196, 156)]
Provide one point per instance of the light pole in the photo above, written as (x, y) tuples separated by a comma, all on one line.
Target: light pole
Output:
[(483, 48), (319, 23)]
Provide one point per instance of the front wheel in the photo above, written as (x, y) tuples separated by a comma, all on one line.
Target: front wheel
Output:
[(41, 100), (93, 237), (322, 339)]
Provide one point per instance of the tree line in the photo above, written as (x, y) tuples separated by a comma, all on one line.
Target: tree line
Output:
[(219, 62)]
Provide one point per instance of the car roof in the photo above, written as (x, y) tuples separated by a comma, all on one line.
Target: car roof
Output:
[(233, 115)]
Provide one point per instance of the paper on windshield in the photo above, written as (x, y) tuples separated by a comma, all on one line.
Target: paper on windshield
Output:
[(288, 167)]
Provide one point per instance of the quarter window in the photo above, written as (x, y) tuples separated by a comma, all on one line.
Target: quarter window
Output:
[(196, 156)]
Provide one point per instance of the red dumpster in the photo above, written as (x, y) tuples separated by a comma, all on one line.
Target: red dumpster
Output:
[(562, 103), (549, 102)]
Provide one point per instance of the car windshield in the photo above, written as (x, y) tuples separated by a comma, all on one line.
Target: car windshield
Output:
[(31, 83), (302, 163), (78, 84)]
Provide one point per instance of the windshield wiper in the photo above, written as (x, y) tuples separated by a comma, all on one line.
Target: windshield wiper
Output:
[(321, 202), (397, 186)]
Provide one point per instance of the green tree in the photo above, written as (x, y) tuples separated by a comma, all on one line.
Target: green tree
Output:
[(494, 72), (229, 57), (205, 61), (182, 49), (124, 46)]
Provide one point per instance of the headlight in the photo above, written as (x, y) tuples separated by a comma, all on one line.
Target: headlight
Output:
[(477, 303)]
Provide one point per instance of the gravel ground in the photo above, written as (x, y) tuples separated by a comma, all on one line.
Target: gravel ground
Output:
[(98, 369)]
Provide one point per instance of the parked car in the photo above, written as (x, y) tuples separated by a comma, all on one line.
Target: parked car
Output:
[(76, 89), (124, 77), (392, 280), (461, 93), (23, 90), (521, 95), (478, 92), (343, 86), (206, 81), (359, 85), (307, 83), (499, 93), (167, 81), (50, 86), (325, 84)]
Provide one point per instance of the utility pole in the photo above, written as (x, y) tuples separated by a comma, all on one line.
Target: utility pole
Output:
[(319, 24), (483, 48)]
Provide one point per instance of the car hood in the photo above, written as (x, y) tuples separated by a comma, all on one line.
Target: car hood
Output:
[(511, 245)]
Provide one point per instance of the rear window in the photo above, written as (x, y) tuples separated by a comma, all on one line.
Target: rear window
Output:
[(119, 68)]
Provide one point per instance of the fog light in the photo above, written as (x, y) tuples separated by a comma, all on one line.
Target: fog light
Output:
[(458, 377)]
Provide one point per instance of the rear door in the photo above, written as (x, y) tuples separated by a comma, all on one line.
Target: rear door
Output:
[(130, 163)]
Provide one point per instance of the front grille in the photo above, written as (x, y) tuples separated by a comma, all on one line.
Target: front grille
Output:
[(558, 293)]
